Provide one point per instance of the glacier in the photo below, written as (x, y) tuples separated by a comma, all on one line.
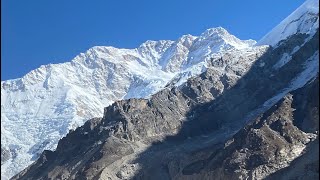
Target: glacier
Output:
[(40, 108), (44, 105)]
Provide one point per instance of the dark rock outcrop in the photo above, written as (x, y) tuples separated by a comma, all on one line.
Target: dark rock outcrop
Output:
[(269, 143), (253, 127)]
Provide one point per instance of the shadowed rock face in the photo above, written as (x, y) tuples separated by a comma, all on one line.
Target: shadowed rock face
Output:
[(213, 127), (267, 144), (5, 155)]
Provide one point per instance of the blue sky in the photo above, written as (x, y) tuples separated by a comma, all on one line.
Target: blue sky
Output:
[(36, 32)]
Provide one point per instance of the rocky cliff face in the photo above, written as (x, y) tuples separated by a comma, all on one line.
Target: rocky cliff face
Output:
[(224, 109), (267, 147), (215, 126), (40, 108)]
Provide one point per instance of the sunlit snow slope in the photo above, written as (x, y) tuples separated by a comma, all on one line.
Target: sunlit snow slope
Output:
[(41, 107), (305, 19)]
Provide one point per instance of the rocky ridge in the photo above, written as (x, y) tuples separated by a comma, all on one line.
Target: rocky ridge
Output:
[(250, 130), (41, 107), (186, 129)]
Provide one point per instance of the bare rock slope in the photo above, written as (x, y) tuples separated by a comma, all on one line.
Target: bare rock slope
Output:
[(245, 112), (261, 126)]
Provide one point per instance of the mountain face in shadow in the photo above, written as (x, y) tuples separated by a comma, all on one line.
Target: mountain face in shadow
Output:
[(40, 108), (246, 113), (263, 125)]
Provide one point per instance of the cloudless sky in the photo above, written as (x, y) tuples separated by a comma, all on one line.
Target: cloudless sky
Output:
[(37, 32)]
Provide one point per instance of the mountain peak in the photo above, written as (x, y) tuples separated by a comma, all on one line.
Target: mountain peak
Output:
[(59, 97), (153, 43), (215, 31), (221, 36), (305, 19)]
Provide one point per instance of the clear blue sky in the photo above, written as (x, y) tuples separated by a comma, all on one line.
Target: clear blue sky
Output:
[(36, 32)]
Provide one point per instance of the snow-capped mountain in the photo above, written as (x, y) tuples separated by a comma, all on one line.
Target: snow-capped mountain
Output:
[(40, 108), (252, 114), (304, 19)]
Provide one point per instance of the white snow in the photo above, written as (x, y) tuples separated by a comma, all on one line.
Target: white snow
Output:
[(40, 108), (305, 19), (310, 71), (284, 60), (311, 68), (237, 61)]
